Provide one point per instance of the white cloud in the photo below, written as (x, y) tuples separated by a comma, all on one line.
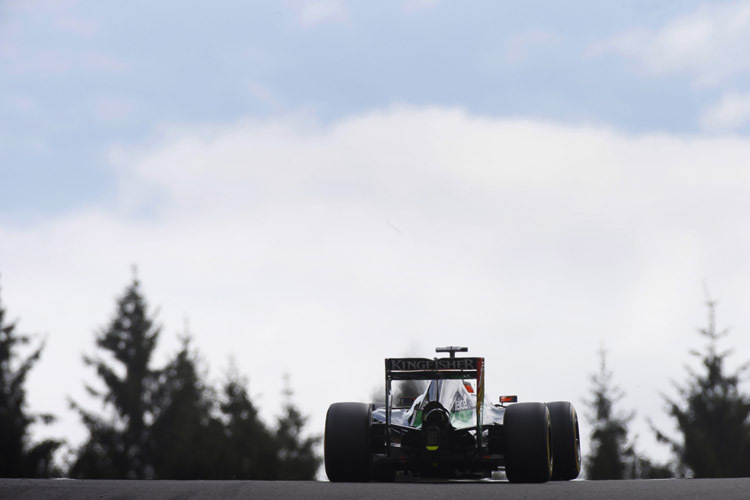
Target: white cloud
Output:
[(529, 242), (730, 113), (712, 44)]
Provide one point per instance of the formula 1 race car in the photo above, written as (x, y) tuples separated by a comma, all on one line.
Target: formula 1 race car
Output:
[(436, 423)]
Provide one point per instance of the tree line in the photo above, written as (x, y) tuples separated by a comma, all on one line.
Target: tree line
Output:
[(711, 414), (167, 423), (155, 422)]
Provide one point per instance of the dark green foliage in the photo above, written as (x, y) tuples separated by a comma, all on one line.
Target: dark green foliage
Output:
[(100, 457), (296, 452), (613, 454), (118, 447), (18, 456), (712, 414), (170, 424), (646, 469), (609, 438), (186, 437), (250, 448)]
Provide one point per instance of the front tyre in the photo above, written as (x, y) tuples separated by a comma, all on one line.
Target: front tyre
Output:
[(566, 441), (528, 443), (347, 442)]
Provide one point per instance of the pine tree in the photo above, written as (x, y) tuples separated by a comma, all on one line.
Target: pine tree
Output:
[(297, 456), (118, 446), (250, 447), (187, 437), (614, 454), (18, 456), (610, 455), (712, 413)]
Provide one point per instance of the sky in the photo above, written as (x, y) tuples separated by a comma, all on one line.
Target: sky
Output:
[(310, 186)]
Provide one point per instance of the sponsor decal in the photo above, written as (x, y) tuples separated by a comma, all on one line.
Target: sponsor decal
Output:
[(460, 403), (418, 364)]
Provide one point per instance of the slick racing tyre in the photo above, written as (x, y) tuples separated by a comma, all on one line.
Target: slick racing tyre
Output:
[(566, 441), (347, 442), (528, 443)]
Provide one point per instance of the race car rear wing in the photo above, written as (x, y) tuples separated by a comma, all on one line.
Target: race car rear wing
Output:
[(433, 369)]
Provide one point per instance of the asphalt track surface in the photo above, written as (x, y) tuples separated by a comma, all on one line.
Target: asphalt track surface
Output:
[(683, 489)]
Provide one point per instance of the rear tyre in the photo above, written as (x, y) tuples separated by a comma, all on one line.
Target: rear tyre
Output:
[(528, 443), (347, 442), (566, 441)]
